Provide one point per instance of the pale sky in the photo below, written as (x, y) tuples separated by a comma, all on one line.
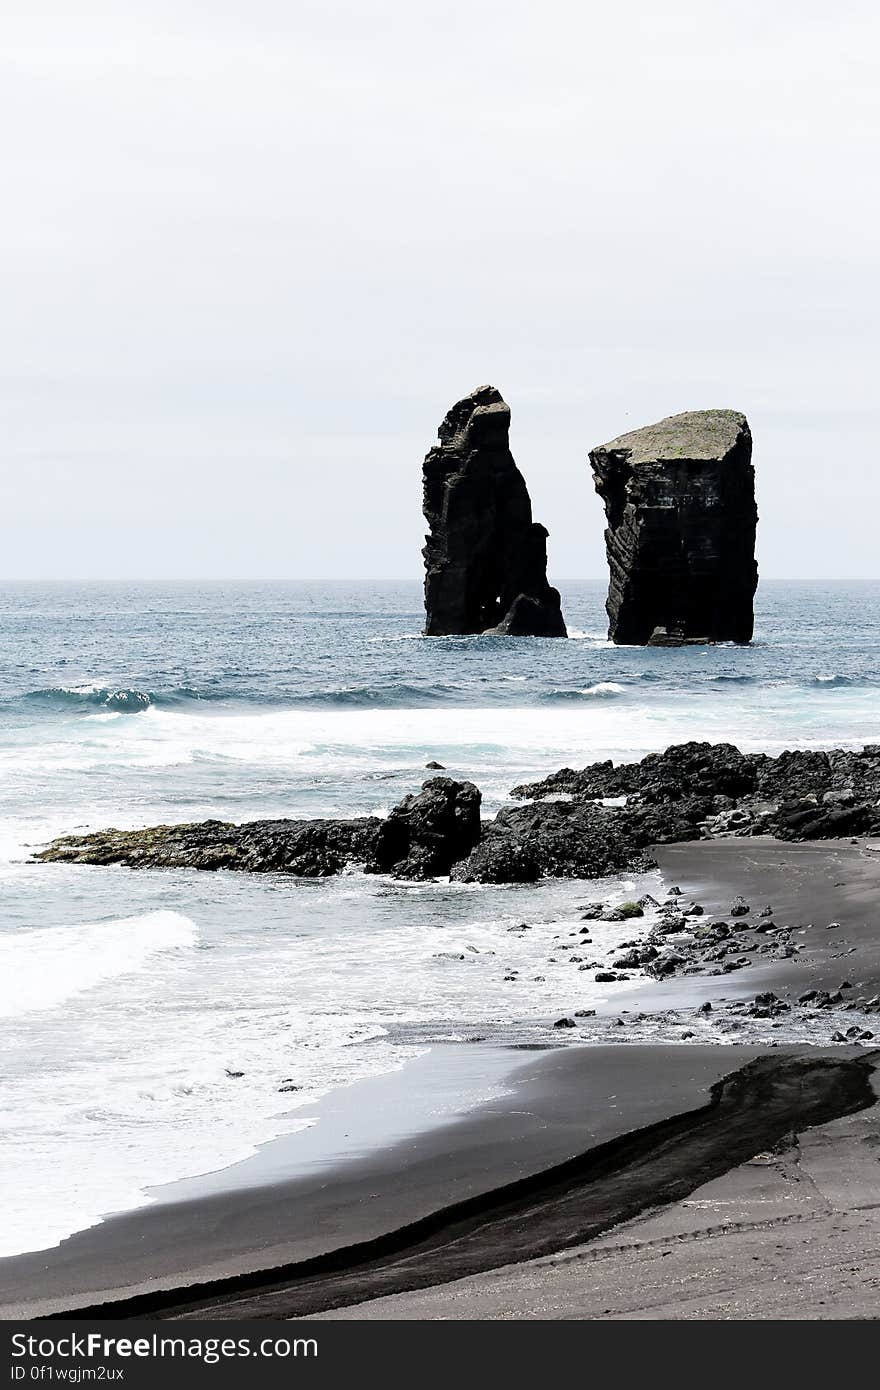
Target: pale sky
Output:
[(252, 251)]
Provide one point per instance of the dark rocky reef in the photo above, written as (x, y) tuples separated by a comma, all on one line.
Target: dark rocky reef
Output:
[(680, 502), (798, 795), (307, 848), (425, 835), (554, 840), (485, 558), (421, 838), (692, 791)]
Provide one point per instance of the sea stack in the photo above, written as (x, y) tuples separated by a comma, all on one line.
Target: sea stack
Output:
[(680, 501), (485, 558)]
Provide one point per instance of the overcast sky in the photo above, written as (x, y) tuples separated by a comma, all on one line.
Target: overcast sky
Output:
[(253, 249)]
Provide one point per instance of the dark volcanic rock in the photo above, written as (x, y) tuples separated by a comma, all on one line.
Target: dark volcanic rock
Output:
[(685, 770), (421, 838), (553, 840), (485, 558), (686, 793), (803, 820), (426, 834), (311, 848), (680, 502), (703, 789)]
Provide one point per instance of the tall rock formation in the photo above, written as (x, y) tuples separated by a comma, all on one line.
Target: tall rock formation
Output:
[(485, 558), (680, 501)]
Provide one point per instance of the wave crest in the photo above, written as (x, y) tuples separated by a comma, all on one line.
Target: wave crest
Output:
[(602, 690), (125, 701)]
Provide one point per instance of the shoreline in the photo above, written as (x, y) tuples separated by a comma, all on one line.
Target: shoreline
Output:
[(350, 1186), (550, 1211), (810, 884), (559, 1102)]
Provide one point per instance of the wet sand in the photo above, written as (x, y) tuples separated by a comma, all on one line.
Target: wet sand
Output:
[(792, 1234), (560, 1104), (752, 1109)]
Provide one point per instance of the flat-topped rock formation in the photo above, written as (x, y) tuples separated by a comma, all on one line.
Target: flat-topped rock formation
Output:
[(680, 502), (692, 791), (485, 558)]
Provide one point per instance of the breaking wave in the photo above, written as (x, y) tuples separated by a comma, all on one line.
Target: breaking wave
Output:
[(93, 697), (90, 697), (602, 690), (475, 689)]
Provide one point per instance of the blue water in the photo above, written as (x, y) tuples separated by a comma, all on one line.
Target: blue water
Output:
[(357, 646), (126, 998)]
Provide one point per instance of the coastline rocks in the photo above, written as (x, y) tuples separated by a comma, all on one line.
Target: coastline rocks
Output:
[(695, 790), (426, 834), (684, 771), (310, 849), (680, 504), (605, 912), (636, 957), (553, 840), (485, 558), (804, 820), (672, 796), (421, 838), (670, 963)]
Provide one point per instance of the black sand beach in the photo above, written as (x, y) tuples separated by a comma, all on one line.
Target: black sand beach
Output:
[(809, 885), (792, 1234), (638, 1126), (561, 1103)]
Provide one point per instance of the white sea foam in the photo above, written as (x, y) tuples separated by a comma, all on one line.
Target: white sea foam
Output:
[(133, 1078), (606, 688), (43, 968), (118, 1035), (172, 765), (599, 640)]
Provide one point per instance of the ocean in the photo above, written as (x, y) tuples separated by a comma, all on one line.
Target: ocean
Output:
[(159, 1025)]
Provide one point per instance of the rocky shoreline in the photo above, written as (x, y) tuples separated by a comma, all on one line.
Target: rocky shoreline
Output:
[(683, 940), (564, 828)]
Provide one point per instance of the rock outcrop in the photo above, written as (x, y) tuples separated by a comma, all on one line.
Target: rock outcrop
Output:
[(425, 835), (692, 791), (485, 558), (715, 789), (421, 838), (680, 502), (307, 848)]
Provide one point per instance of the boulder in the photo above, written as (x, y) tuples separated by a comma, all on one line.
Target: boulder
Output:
[(556, 839), (485, 558), (680, 504), (426, 834)]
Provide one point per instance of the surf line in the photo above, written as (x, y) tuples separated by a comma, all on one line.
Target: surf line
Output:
[(748, 1111)]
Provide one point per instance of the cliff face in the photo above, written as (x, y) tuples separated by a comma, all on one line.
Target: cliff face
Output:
[(485, 558), (680, 501)]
